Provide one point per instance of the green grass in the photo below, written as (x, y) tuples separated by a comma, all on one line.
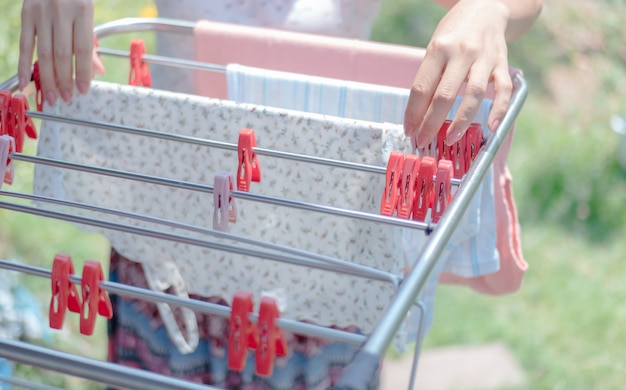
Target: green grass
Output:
[(565, 324)]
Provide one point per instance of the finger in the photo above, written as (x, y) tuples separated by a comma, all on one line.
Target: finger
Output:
[(424, 84), (83, 46), (45, 58), (441, 103), (62, 41), (27, 45), (474, 92), (504, 88)]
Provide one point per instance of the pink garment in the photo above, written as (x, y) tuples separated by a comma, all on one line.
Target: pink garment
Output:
[(362, 61)]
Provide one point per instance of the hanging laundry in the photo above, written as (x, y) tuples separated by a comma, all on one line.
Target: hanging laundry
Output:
[(345, 300)]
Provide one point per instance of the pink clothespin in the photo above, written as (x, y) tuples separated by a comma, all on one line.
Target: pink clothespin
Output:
[(393, 178), (7, 146), (271, 341), (248, 169), (64, 293), (139, 70), (242, 332), (95, 300), (423, 188), (443, 188), (407, 186), (225, 210)]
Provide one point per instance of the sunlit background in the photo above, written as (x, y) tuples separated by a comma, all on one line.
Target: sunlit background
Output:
[(567, 324)]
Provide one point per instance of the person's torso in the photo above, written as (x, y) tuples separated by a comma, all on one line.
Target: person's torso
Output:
[(343, 18)]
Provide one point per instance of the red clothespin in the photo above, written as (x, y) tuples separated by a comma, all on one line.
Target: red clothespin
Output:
[(456, 154), (443, 188), (64, 293), (95, 300), (423, 188), (36, 78), (225, 209), (249, 168), (473, 142), (393, 177), (7, 146), (242, 334), (139, 70), (407, 186), (5, 111), (271, 341), (442, 147), (20, 125)]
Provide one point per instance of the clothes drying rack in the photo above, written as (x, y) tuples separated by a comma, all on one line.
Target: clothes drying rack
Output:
[(372, 346)]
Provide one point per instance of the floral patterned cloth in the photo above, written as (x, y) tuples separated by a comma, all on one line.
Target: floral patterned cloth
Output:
[(326, 298)]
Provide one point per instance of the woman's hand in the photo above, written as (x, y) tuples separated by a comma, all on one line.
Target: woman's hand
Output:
[(63, 30), (469, 45)]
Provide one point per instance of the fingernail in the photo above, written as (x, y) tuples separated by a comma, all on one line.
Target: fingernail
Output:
[(494, 125), (454, 138), (51, 98), (409, 130), (66, 96), (83, 88), (422, 140), (22, 83)]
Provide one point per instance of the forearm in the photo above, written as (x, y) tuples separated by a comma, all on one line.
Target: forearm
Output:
[(520, 14)]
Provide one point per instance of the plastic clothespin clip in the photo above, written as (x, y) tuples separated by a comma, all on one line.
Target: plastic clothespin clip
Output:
[(407, 186), (271, 339), (442, 147), (443, 188), (95, 300), (393, 177), (139, 70), (423, 188), (7, 146), (473, 142), (36, 78), (225, 209), (64, 293), (242, 332), (5, 111), (21, 125), (248, 169), (456, 154)]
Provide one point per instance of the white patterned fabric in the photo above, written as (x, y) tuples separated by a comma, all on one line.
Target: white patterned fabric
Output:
[(322, 297), (472, 249)]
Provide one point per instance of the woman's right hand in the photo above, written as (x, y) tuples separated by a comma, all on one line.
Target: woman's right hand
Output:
[(63, 30)]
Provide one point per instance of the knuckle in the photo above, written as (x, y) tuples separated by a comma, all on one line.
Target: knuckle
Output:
[(476, 91), (44, 54), (419, 88), (84, 6), (440, 44), (469, 49), (61, 55), (31, 8), (444, 95), (83, 49)]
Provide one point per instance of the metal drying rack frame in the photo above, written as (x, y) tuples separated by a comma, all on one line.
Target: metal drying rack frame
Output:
[(373, 346)]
